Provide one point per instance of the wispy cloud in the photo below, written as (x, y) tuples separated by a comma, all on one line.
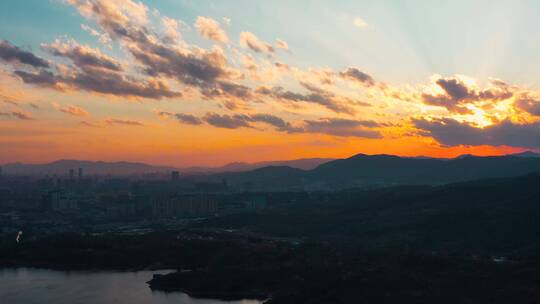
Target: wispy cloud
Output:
[(89, 124), (211, 29), (249, 40), (74, 111), (331, 126), (282, 44), (22, 115), (126, 122), (360, 23)]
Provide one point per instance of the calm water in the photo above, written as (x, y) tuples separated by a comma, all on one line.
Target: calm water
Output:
[(28, 286)]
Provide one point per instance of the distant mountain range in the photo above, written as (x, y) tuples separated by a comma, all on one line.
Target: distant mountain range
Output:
[(360, 170), (526, 154), (304, 164), (384, 170), (62, 167)]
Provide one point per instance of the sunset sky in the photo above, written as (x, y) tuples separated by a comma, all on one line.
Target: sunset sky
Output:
[(210, 82)]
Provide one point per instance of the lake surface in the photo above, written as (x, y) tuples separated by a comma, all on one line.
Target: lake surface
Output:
[(28, 286)]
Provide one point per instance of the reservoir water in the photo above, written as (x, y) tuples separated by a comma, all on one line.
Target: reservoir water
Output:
[(39, 286)]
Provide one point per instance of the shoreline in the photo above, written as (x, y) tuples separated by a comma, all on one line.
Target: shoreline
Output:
[(151, 284), (231, 296)]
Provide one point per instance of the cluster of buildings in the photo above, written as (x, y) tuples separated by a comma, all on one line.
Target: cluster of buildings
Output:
[(129, 205), (183, 206), (123, 198)]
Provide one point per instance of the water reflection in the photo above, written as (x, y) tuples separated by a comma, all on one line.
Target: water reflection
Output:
[(28, 286)]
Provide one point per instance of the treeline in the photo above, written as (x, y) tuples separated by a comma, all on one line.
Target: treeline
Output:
[(497, 216)]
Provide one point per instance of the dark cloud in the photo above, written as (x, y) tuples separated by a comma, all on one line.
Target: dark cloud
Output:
[(277, 122), (117, 84), (227, 121), (355, 74), (455, 89), (186, 68), (320, 97), (234, 121), (450, 104), (97, 70), (41, 78), (231, 105), (159, 59), (226, 89), (101, 81), (343, 127), (188, 119), (11, 53), (246, 120), (457, 95), (313, 88), (118, 19), (181, 117), (450, 132), (494, 95), (83, 57), (98, 73), (206, 70), (264, 90), (528, 105)]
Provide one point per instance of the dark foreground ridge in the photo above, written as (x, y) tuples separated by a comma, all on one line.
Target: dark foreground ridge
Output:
[(231, 267)]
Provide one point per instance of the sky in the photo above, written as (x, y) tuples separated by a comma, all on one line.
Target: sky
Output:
[(188, 83)]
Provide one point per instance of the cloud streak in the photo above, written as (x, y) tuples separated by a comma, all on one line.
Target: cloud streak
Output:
[(457, 94), (529, 105), (450, 132), (74, 111), (211, 29), (249, 40), (84, 57), (14, 54), (343, 127), (318, 96), (22, 115), (100, 81), (125, 122), (330, 126), (357, 76)]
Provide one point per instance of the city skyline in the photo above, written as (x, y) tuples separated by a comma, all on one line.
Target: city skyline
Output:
[(187, 83)]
